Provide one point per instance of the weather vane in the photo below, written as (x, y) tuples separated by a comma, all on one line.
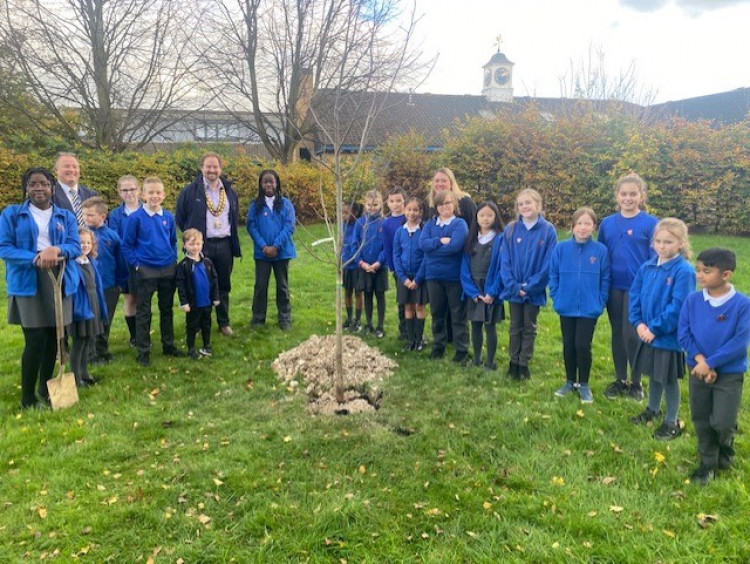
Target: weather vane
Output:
[(498, 42)]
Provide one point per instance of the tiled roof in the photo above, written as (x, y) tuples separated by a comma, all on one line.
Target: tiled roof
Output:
[(724, 107)]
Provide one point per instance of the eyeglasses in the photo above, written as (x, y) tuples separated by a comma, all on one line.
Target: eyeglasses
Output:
[(35, 183), (448, 203)]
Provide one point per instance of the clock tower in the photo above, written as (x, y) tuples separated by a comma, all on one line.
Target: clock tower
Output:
[(498, 78)]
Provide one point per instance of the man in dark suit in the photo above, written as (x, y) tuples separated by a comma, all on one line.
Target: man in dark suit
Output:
[(67, 189)]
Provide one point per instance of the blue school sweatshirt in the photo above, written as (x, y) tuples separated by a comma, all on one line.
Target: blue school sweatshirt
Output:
[(273, 228), (525, 261), (579, 278), (628, 241), (368, 236), (493, 284), (443, 262), (82, 309), (349, 247), (391, 225), (408, 258), (117, 218), (18, 235), (721, 334), (656, 298), (150, 240), (110, 262)]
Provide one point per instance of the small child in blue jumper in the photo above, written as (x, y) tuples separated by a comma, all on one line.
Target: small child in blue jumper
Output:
[(481, 283), (527, 245), (373, 271), (391, 225), (349, 267), (150, 247), (656, 298), (111, 266), (579, 278), (714, 330), (408, 262), (198, 290)]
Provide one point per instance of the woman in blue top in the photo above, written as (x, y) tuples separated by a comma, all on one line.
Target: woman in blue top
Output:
[(656, 297), (627, 235), (442, 240), (270, 222), (34, 235), (527, 245), (579, 278)]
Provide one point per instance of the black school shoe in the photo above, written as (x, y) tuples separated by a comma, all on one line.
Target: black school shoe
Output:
[(645, 416), (437, 353), (702, 475), (668, 431), (173, 351), (144, 359), (461, 358)]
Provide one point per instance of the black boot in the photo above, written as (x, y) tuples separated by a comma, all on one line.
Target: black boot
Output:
[(524, 373), (130, 321), (418, 334), (409, 330), (514, 371)]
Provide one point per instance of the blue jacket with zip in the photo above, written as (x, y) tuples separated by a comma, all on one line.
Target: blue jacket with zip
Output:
[(579, 278)]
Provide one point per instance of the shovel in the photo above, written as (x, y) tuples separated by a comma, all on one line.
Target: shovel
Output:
[(62, 390)]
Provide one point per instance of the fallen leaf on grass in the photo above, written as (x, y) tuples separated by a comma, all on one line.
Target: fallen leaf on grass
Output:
[(218, 482), (204, 519), (705, 520), (592, 514), (580, 413), (659, 457), (287, 439), (609, 480), (42, 511), (617, 449), (362, 469), (558, 481), (487, 505), (669, 533), (616, 508)]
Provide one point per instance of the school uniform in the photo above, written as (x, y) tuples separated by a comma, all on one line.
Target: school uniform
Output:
[(656, 299), (579, 281), (369, 238), (628, 241), (408, 264), (349, 253), (197, 286), (150, 247), (719, 329), (391, 226), (113, 270), (272, 226), (443, 276), (525, 266), (30, 291), (89, 317)]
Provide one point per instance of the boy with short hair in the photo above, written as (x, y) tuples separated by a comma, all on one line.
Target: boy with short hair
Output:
[(714, 330), (198, 289), (150, 247), (111, 266), (395, 201)]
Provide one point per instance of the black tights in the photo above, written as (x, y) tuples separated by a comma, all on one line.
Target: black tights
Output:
[(79, 357), (37, 362), (476, 341), (380, 297)]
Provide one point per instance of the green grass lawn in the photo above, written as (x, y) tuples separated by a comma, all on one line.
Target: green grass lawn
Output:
[(215, 461)]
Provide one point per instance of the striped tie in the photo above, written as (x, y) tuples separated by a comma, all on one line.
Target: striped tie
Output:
[(76, 201)]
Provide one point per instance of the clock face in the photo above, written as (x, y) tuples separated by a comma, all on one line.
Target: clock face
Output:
[(487, 77), (502, 75)]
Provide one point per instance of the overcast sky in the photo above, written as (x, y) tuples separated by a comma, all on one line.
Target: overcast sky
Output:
[(680, 48)]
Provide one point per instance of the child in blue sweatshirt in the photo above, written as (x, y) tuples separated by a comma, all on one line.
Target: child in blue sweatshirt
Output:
[(442, 240), (627, 235), (391, 224), (527, 245), (372, 278), (579, 278), (129, 191), (714, 330), (408, 262), (481, 283), (111, 266), (349, 267), (656, 298), (150, 248)]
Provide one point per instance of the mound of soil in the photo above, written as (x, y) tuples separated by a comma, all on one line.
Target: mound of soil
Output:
[(312, 363)]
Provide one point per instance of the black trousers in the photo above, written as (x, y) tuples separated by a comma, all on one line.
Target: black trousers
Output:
[(111, 296), (522, 332), (714, 408), (624, 337), (149, 281), (37, 362), (446, 297), (263, 270), (198, 319), (401, 314), (220, 253), (577, 334)]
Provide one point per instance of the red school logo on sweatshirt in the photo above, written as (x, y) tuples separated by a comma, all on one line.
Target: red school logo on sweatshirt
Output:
[(629, 232), (669, 281), (60, 227), (592, 260)]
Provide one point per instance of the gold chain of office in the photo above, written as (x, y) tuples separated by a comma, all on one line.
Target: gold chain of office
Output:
[(219, 209)]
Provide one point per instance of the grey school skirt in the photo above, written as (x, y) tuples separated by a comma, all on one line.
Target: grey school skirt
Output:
[(662, 365), (37, 311)]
